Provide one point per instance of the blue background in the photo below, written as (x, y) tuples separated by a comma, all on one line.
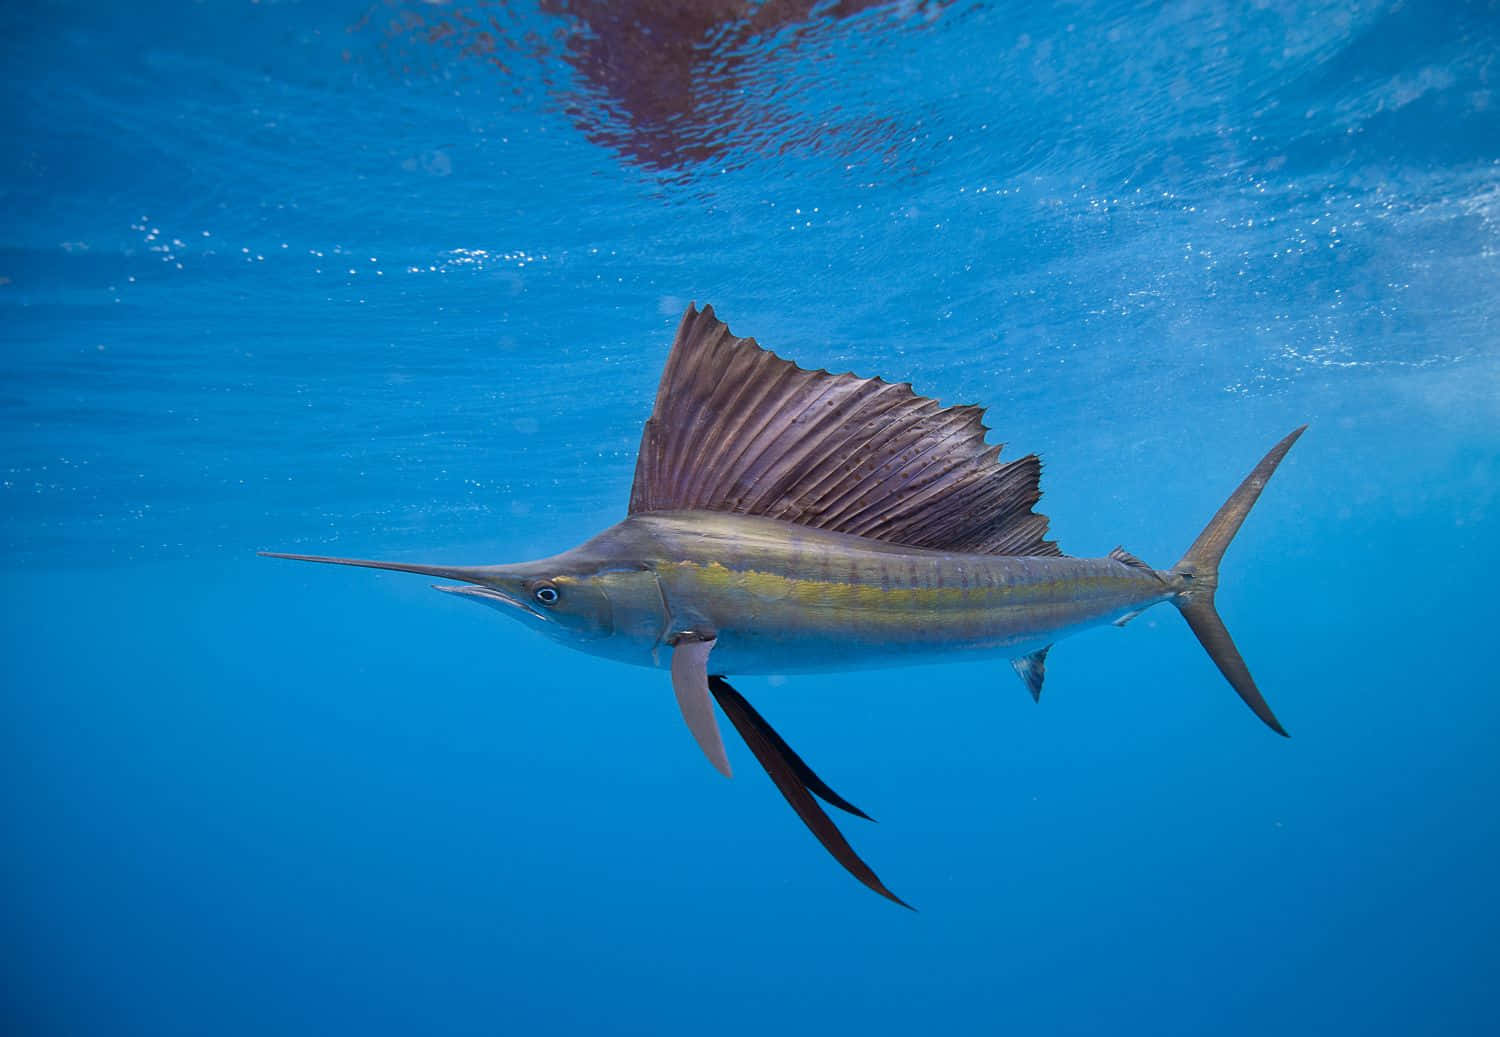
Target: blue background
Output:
[(396, 280)]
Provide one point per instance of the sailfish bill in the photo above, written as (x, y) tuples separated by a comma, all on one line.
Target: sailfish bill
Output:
[(468, 573), (784, 520)]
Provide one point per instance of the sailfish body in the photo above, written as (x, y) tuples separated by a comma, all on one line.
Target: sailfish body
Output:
[(782, 598), (788, 521)]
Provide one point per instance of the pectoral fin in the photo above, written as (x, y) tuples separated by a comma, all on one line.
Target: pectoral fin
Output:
[(690, 682)]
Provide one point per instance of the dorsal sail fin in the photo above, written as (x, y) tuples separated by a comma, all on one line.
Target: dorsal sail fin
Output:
[(736, 428)]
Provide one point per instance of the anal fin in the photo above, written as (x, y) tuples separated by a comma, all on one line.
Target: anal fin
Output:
[(1032, 669)]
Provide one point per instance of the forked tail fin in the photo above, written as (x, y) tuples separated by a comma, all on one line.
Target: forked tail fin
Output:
[(1198, 572)]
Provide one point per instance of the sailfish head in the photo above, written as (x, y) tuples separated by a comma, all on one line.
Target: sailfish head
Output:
[(561, 598)]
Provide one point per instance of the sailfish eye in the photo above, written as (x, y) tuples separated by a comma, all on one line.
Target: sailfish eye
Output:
[(546, 594)]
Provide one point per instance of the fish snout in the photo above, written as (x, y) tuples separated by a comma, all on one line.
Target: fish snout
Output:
[(491, 596)]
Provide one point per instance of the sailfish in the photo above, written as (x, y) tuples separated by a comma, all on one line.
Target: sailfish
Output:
[(785, 520)]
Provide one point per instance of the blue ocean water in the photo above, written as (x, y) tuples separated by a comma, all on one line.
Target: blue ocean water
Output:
[(396, 279)]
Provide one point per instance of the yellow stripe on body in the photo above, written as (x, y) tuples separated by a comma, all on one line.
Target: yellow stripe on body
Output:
[(918, 612)]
